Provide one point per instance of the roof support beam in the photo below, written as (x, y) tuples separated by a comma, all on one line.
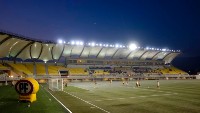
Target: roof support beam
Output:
[(155, 55), (23, 49), (142, 55), (70, 54), (61, 53), (166, 55), (40, 52), (99, 52), (115, 52), (5, 40), (52, 52), (129, 54), (81, 51)]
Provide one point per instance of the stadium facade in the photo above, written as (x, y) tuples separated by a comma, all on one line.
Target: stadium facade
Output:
[(15, 46), (88, 58)]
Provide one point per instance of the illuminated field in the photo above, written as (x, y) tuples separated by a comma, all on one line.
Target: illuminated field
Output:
[(174, 96), (44, 104)]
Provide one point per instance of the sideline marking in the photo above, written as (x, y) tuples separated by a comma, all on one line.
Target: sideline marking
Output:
[(87, 102), (57, 100)]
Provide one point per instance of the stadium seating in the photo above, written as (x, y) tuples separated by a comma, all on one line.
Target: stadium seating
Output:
[(53, 70), (21, 68), (30, 67), (3, 67), (169, 70), (40, 68), (77, 71)]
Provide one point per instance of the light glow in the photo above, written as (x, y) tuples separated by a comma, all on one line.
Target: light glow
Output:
[(60, 41), (132, 46)]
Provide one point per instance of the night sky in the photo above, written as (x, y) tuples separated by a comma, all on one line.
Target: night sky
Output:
[(173, 24)]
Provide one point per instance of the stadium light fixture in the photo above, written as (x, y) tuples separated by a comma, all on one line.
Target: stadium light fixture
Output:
[(77, 42), (163, 49), (106, 45), (64, 42), (60, 41), (116, 45), (147, 48), (72, 42), (100, 44), (93, 44), (132, 46), (81, 43)]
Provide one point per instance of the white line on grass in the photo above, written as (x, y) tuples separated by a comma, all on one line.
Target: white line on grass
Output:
[(132, 97), (59, 101), (143, 96), (120, 98), (98, 100), (108, 99), (87, 102)]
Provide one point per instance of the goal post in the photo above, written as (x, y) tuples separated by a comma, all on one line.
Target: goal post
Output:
[(55, 84)]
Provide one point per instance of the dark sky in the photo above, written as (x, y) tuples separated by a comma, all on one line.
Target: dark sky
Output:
[(174, 24)]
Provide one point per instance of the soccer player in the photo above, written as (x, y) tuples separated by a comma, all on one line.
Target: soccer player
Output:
[(137, 83), (158, 84)]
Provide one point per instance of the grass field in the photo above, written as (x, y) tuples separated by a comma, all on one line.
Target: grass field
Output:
[(45, 102), (174, 96)]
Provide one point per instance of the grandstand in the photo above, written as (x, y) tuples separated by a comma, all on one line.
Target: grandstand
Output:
[(23, 56)]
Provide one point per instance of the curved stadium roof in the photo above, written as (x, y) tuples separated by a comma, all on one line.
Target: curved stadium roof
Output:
[(16, 46)]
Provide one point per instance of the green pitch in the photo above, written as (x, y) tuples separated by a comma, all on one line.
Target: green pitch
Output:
[(45, 102), (173, 96)]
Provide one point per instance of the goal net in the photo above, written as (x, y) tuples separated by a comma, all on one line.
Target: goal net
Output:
[(55, 84)]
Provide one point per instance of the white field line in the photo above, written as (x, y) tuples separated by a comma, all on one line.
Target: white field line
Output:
[(166, 94), (88, 102), (120, 98), (59, 102)]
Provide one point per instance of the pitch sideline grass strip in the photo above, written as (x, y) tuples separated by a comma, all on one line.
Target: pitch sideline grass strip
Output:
[(58, 100), (87, 102)]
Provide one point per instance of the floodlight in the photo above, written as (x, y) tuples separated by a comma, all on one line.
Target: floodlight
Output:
[(100, 44), (60, 41), (81, 43), (92, 44), (147, 48), (116, 45), (72, 42), (77, 42), (163, 49), (132, 46), (64, 42), (106, 45)]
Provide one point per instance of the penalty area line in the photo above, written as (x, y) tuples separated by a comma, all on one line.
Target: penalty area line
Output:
[(59, 101), (87, 102)]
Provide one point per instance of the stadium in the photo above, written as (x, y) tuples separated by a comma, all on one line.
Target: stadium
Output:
[(94, 77)]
